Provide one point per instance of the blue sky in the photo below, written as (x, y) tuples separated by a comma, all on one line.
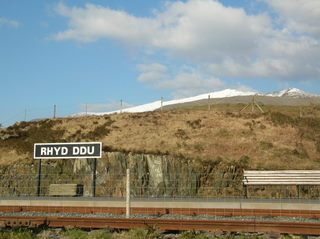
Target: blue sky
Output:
[(75, 52)]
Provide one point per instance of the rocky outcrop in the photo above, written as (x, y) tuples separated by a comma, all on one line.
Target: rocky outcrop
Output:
[(151, 176)]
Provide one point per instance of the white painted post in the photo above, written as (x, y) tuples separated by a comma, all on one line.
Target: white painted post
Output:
[(128, 195)]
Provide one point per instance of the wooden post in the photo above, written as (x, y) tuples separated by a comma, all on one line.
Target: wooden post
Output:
[(161, 103), (39, 179), (252, 105), (94, 175), (245, 191), (25, 115), (128, 194), (208, 102), (300, 112), (54, 111)]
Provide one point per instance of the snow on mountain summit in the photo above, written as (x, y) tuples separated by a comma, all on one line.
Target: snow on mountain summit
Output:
[(213, 95), (291, 92)]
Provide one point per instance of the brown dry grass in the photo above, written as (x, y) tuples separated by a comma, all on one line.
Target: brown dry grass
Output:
[(195, 133), (8, 157)]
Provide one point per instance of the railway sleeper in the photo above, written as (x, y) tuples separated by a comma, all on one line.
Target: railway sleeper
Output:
[(13, 223)]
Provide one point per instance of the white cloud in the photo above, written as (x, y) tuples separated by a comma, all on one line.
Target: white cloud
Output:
[(299, 15), (152, 72), (226, 41), (152, 67), (94, 22), (186, 82), (196, 29), (8, 22)]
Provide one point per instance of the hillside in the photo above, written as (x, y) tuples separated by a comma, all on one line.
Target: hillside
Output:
[(277, 139)]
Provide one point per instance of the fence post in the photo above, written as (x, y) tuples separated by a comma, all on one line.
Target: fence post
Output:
[(128, 194), (39, 179), (298, 191), (94, 173), (54, 111), (245, 191)]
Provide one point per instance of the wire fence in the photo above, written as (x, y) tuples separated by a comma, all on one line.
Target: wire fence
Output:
[(145, 186), (58, 110)]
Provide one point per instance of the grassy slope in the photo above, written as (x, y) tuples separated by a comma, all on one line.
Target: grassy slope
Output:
[(271, 141)]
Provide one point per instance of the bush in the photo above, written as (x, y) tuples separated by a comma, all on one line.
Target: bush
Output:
[(75, 234), (281, 119), (17, 234), (100, 234)]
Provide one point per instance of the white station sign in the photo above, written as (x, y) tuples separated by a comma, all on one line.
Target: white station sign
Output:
[(67, 150)]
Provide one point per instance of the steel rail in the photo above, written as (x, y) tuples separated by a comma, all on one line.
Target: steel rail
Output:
[(164, 211), (164, 224)]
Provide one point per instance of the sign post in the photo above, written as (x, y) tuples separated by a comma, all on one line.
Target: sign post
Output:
[(68, 151), (39, 179)]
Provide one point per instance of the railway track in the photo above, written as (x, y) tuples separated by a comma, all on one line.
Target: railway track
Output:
[(227, 212), (157, 213), (163, 224)]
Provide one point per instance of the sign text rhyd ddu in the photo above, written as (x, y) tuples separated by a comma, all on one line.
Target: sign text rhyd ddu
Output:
[(67, 150)]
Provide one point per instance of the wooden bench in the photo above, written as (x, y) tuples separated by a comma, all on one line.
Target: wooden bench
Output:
[(281, 177), (69, 190)]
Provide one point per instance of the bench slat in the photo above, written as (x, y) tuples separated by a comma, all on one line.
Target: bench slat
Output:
[(281, 183), (282, 177)]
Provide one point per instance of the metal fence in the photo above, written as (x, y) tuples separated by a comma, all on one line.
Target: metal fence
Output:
[(114, 185)]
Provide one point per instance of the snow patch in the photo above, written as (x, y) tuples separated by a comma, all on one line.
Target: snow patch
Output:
[(291, 92)]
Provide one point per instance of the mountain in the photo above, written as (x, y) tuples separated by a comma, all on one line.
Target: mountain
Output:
[(291, 92), (232, 94)]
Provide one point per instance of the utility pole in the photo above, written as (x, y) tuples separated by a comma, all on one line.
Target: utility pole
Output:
[(54, 111), (209, 103), (161, 103), (25, 115), (86, 109), (121, 103)]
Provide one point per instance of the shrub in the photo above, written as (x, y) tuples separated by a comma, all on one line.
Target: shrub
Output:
[(99, 132), (223, 133), (17, 234), (281, 119), (100, 234), (75, 234), (181, 134), (265, 145), (195, 124)]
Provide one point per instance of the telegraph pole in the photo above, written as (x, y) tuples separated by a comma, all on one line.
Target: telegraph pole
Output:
[(54, 111), (161, 103), (25, 115)]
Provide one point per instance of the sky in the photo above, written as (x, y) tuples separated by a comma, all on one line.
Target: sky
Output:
[(91, 54)]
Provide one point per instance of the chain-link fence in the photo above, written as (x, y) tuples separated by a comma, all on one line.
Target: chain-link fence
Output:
[(108, 184)]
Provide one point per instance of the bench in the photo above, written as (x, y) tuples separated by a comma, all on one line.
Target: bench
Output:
[(281, 177), (68, 190)]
